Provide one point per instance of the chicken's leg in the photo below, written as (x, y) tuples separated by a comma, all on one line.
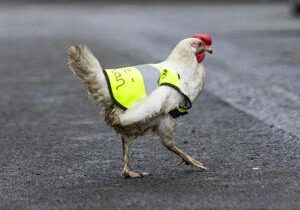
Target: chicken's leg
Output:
[(166, 132), (126, 141)]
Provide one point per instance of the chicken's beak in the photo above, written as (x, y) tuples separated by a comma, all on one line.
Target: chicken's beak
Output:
[(209, 49)]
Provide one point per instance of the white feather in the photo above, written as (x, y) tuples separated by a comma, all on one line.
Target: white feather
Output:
[(158, 104)]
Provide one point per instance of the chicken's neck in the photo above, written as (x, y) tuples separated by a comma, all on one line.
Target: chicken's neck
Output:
[(190, 70), (185, 58)]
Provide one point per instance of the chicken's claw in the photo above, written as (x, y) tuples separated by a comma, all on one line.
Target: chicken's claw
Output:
[(130, 174), (193, 162), (197, 164)]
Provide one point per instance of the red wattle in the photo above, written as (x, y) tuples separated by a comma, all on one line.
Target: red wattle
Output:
[(200, 57)]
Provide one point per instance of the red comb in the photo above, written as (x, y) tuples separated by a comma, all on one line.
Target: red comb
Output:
[(204, 37)]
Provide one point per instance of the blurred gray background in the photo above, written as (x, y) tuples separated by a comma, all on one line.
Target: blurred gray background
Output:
[(57, 153)]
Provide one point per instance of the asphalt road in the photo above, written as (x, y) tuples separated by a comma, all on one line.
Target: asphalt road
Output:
[(56, 153)]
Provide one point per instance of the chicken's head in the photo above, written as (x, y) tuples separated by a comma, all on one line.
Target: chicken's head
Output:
[(202, 45)]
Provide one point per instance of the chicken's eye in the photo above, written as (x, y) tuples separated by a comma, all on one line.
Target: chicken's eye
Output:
[(201, 44)]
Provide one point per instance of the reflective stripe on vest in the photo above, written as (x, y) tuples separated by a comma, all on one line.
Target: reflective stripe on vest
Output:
[(131, 84)]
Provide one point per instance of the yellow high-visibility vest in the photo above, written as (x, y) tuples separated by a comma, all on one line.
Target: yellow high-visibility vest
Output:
[(128, 85)]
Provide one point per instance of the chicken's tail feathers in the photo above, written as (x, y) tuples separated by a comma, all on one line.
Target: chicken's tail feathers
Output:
[(85, 65)]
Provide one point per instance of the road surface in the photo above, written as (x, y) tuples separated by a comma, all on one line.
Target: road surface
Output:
[(56, 153)]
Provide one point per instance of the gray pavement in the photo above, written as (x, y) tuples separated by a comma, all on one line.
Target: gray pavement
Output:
[(56, 153)]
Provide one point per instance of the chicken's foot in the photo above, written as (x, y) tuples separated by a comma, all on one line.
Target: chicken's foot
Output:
[(126, 141), (166, 132), (186, 158)]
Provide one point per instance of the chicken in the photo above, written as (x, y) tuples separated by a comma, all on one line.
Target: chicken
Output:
[(181, 79)]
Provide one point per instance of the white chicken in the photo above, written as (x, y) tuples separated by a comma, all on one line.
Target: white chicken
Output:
[(154, 111)]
